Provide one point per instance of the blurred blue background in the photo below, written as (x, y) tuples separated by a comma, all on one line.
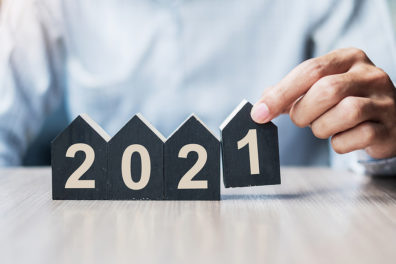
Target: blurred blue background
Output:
[(38, 154), (392, 8)]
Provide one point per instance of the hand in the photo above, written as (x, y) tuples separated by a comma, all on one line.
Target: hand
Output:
[(341, 95)]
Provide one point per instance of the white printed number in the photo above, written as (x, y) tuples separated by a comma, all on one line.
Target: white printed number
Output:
[(74, 182), (251, 140), (186, 181), (126, 167)]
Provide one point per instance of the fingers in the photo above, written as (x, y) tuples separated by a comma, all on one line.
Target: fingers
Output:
[(347, 114), (360, 137), (341, 95), (324, 94), (360, 80), (277, 99)]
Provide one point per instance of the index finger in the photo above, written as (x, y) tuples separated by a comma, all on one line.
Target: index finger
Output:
[(277, 99)]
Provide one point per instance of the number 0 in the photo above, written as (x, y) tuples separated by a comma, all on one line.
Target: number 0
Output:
[(251, 140), (126, 167)]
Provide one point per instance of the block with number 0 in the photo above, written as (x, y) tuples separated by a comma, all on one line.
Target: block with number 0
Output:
[(136, 162), (192, 163), (79, 161), (250, 151)]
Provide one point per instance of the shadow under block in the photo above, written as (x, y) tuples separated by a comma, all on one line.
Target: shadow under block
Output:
[(192, 163), (250, 151), (136, 162), (79, 161)]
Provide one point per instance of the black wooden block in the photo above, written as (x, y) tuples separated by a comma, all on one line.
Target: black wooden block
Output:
[(250, 151), (136, 162), (192, 163), (79, 161)]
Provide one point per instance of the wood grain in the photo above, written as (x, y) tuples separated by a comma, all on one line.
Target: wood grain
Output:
[(315, 216)]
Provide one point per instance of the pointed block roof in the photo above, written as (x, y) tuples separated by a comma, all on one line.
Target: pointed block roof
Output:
[(192, 118), (139, 118), (86, 120), (244, 108)]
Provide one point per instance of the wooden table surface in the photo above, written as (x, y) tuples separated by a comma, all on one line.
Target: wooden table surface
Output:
[(315, 216)]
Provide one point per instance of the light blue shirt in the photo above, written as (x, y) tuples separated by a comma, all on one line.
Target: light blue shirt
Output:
[(167, 59)]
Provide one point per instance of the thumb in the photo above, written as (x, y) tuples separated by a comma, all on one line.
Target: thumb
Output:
[(270, 105)]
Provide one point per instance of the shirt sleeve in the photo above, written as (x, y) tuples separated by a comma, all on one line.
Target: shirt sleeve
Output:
[(364, 24), (31, 65), (382, 167)]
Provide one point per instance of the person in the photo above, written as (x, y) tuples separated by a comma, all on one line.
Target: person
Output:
[(328, 64)]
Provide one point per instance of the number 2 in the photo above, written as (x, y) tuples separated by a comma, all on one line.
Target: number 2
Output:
[(74, 182), (251, 140), (186, 181)]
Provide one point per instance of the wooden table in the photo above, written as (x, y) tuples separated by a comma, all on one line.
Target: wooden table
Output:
[(315, 216)]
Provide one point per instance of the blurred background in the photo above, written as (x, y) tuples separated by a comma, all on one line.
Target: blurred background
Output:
[(38, 154)]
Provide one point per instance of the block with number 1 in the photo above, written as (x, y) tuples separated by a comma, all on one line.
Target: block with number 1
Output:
[(250, 151)]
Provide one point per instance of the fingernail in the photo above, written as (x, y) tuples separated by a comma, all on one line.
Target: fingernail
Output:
[(260, 113)]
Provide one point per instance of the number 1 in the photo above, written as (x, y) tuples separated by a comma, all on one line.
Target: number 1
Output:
[(251, 140)]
